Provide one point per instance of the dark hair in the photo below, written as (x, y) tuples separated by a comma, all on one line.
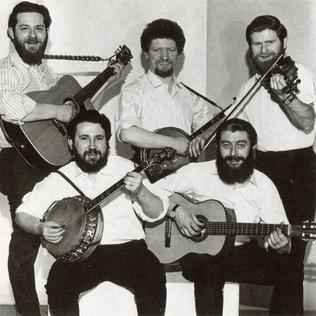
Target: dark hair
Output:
[(162, 28), (264, 22), (236, 124), (91, 116), (26, 6)]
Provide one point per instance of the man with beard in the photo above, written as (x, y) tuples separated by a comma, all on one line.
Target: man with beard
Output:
[(232, 180), (284, 122), (157, 100), (122, 256), (23, 71)]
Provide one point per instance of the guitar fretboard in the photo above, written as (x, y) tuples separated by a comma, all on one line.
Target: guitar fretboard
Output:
[(223, 228)]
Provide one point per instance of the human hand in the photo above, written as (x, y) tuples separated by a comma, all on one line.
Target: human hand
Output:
[(133, 182), (277, 240), (196, 146), (52, 231), (187, 223)]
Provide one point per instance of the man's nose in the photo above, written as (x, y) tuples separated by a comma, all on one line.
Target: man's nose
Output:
[(264, 48), (164, 54)]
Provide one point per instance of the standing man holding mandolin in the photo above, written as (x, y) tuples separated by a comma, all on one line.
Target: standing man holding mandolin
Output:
[(122, 255), (21, 72), (283, 114), (157, 100), (233, 181)]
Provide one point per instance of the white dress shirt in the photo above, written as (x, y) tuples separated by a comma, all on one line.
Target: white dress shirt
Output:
[(121, 215), (147, 103), (275, 131)]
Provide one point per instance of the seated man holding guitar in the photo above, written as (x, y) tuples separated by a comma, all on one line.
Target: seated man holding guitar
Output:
[(238, 191), (157, 100), (119, 254), (22, 72)]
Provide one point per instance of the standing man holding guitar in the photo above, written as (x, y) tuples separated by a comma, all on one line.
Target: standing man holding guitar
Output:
[(21, 72), (232, 180), (157, 100)]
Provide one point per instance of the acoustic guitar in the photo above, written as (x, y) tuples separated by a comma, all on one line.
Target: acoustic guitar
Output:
[(43, 143), (170, 245)]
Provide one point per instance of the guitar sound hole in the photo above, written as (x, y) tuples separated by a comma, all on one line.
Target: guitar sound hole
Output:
[(203, 233)]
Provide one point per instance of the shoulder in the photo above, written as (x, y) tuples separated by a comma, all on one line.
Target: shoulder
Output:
[(199, 169), (303, 71), (119, 163), (138, 84), (263, 181)]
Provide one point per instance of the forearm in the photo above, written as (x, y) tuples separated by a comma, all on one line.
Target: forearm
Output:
[(29, 223), (62, 113), (151, 204), (300, 114), (140, 137)]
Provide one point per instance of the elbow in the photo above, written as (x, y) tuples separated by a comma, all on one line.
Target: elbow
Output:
[(124, 135)]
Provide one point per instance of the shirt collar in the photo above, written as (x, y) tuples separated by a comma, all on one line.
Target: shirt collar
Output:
[(156, 82)]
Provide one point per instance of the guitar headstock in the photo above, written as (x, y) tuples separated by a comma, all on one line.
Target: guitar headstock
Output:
[(122, 55), (305, 231)]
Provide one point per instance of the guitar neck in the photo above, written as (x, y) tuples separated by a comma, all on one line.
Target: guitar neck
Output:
[(232, 228), (93, 86)]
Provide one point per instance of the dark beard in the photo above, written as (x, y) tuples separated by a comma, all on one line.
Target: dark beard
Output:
[(164, 74), (30, 58), (89, 166), (263, 66), (231, 175)]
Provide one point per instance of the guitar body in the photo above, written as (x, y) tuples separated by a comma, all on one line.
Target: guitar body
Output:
[(43, 143), (175, 162), (180, 245)]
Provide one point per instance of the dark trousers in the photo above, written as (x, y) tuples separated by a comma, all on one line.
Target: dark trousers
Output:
[(130, 265), (294, 174), (16, 179), (248, 263)]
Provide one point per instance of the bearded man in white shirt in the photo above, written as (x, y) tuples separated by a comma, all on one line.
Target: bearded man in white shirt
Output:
[(21, 72), (283, 113), (233, 181), (122, 255)]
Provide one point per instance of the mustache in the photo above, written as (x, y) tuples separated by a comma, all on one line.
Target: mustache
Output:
[(234, 158), (92, 151)]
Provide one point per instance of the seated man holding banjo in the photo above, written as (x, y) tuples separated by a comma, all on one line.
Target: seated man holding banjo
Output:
[(110, 245), (234, 184)]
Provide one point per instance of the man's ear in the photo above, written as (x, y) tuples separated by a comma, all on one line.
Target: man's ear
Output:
[(254, 147), (70, 144), (10, 33), (285, 43)]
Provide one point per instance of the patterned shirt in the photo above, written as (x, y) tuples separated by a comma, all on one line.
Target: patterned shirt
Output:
[(16, 80)]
